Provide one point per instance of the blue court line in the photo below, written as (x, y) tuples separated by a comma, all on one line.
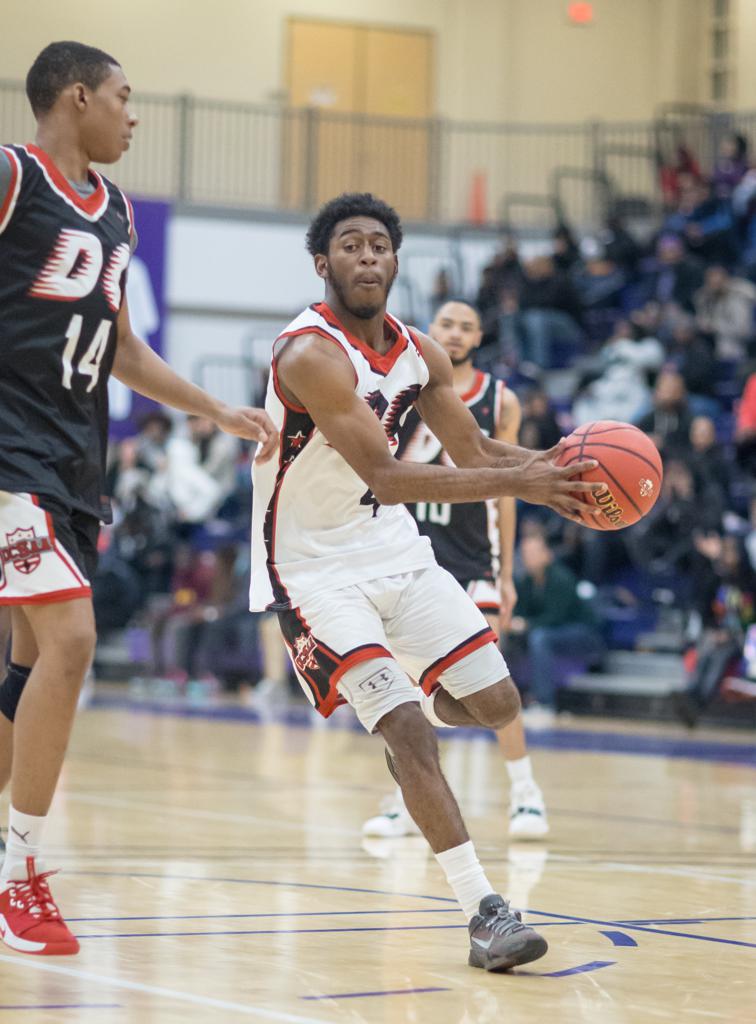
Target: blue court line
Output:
[(562, 918), (685, 920), (364, 995), (619, 938), (274, 931), (293, 913), (548, 739), (594, 965)]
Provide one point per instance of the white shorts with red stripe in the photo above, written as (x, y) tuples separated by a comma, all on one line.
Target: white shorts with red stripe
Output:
[(35, 567), (371, 644), (485, 594)]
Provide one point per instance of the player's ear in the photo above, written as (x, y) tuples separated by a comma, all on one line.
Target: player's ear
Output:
[(321, 266), (396, 267), (79, 95)]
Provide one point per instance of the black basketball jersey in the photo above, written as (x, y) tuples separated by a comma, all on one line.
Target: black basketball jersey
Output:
[(63, 260), (465, 537)]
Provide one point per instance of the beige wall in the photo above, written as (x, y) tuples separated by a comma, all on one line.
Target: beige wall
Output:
[(516, 60)]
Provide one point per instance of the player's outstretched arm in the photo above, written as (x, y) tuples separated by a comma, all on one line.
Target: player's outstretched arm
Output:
[(142, 370), (316, 374)]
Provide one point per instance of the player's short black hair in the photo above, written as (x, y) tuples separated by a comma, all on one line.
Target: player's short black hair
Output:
[(61, 64), (351, 204)]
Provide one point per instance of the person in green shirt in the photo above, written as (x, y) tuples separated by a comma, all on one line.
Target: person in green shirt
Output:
[(552, 619)]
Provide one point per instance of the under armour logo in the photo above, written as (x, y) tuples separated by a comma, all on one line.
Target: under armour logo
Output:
[(21, 837)]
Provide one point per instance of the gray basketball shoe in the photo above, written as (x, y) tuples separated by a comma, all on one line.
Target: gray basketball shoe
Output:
[(498, 938)]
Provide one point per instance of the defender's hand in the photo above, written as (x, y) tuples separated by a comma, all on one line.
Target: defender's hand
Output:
[(252, 425)]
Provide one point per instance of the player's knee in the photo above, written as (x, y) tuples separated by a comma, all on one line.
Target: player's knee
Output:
[(497, 705), (410, 736), (76, 649)]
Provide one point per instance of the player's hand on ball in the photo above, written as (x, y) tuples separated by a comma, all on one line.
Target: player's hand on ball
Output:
[(252, 425), (545, 483)]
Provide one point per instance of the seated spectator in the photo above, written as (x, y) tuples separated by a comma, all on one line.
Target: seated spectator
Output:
[(725, 311), (599, 283), (549, 311), (539, 429), (565, 249), (704, 222), (674, 170), (673, 279), (668, 423), (442, 290), (731, 164), (662, 542), (619, 245), (201, 470), (690, 355), (745, 428), (500, 285), (550, 618), (711, 470), (617, 386), (725, 601)]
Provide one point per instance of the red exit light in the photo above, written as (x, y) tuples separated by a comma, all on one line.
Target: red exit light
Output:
[(580, 13)]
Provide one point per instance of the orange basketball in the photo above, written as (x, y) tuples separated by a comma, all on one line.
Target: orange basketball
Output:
[(628, 462)]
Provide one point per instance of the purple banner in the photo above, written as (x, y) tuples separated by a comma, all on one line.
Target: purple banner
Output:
[(145, 290)]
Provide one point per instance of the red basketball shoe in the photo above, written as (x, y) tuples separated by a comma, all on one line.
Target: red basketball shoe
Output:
[(30, 922)]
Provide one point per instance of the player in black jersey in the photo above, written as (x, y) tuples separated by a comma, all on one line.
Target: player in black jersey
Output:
[(66, 235), (475, 543)]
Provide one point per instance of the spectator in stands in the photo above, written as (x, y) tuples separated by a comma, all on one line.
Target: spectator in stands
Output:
[(550, 619), (731, 165), (745, 428), (724, 595), (704, 222), (500, 285), (549, 311), (674, 279), (599, 283), (442, 290), (711, 470), (539, 429), (672, 172), (201, 470), (725, 311), (690, 355), (620, 246), (565, 251), (668, 423), (662, 542), (617, 383)]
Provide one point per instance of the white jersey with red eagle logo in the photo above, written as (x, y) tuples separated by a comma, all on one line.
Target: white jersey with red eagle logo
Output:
[(315, 524)]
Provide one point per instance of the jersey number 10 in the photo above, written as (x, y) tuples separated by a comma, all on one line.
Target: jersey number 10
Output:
[(433, 512)]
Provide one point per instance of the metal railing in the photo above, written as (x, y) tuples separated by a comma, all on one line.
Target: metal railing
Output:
[(271, 157)]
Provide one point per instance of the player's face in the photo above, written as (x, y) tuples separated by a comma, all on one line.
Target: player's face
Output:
[(457, 329), (360, 266), (109, 124)]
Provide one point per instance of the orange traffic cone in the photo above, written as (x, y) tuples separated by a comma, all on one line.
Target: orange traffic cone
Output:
[(477, 213)]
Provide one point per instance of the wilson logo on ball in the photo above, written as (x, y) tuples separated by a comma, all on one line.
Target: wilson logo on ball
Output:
[(609, 507)]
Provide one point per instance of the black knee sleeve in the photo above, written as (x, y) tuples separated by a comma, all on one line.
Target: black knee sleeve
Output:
[(11, 689)]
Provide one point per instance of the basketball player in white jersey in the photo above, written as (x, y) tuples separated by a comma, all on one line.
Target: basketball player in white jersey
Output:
[(363, 606), (475, 543)]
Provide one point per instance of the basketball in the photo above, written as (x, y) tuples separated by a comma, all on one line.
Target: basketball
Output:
[(628, 462)]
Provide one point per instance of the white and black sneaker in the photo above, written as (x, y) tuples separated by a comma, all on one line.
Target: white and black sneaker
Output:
[(498, 938)]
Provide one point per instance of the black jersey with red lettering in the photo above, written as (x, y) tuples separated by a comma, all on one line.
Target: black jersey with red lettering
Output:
[(63, 260), (464, 536)]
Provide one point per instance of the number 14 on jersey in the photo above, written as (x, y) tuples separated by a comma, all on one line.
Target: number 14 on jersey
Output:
[(89, 364)]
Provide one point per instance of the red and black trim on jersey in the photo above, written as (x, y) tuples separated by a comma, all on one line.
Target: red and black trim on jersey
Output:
[(298, 427), (14, 188), (317, 663), (91, 207), (429, 679), (381, 364)]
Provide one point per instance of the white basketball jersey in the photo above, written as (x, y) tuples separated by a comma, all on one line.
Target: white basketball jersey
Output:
[(315, 524)]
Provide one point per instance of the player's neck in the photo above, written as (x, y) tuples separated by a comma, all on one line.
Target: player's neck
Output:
[(371, 331), (66, 154), (463, 376)]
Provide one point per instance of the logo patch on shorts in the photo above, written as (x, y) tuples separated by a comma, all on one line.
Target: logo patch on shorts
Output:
[(305, 648), (24, 550), (379, 681)]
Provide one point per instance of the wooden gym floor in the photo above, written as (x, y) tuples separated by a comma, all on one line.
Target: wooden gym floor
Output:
[(214, 870)]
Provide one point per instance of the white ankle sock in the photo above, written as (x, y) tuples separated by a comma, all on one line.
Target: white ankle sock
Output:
[(24, 840), (428, 706), (520, 770), (466, 877)]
